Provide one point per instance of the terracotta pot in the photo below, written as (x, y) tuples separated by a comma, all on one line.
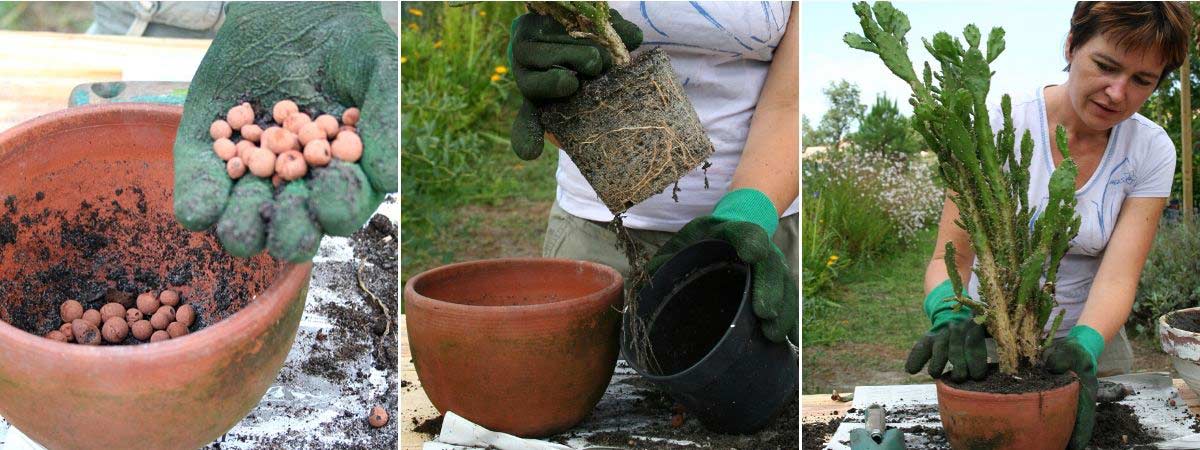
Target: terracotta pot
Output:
[(1030, 421), (1184, 348), (522, 346), (89, 207)]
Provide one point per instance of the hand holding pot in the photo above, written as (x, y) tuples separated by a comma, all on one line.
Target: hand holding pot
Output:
[(1078, 353), (860, 439), (326, 57), (954, 338), (747, 219), (548, 63)]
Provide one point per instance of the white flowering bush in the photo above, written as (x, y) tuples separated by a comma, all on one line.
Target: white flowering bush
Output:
[(871, 201)]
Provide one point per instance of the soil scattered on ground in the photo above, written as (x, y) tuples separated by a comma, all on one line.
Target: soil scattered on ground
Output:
[(429, 426), (1117, 427), (782, 433), (1026, 380), (816, 434)]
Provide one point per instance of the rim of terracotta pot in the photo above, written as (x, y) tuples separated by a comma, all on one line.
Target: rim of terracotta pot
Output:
[(1171, 338), (257, 315), (977, 395), (420, 300)]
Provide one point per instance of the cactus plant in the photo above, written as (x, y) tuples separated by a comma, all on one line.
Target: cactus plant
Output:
[(1018, 248)]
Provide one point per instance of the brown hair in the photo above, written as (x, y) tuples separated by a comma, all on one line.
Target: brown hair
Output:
[(1163, 27)]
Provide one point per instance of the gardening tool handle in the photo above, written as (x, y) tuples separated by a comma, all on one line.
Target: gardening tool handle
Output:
[(876, 422)]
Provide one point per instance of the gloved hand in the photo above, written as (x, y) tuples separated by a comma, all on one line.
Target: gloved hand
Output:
[(954, 337), (747, 219), (325, 56), (1078, 353), (860, 439), (548, 63)]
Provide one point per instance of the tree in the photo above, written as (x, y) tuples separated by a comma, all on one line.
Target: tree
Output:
[(1163, 108), (810, 137), (844, 110), (885, 130)]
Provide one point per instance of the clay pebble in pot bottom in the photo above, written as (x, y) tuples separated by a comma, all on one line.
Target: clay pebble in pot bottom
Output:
[(640, 106), (94, 187), (705, 341)]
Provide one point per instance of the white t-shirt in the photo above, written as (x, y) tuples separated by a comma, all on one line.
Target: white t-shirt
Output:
[(1138, 162), (721, 53)]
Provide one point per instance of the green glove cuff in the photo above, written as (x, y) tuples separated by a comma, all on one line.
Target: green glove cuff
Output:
[(1090, 339), (941, 312), (748, 205)]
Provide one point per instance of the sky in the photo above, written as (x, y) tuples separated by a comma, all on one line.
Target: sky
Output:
[(1035, 32)]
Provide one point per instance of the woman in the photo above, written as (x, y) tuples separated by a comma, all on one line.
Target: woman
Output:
[(1117, 54), (738, 63)]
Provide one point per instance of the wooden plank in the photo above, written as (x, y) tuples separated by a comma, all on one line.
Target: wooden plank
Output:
[(414, 404), (38, 70)]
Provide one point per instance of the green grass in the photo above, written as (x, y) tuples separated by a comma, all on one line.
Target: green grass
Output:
[(62, 17), (457, 105), (877, 318)]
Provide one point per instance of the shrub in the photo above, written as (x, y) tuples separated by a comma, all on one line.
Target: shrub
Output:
[(1168, 279)]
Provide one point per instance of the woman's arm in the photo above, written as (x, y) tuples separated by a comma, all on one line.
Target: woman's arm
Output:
[(964, 255), (1111, 296), (771, 158)]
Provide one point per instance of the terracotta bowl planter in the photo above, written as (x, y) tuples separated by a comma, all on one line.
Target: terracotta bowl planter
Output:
[(522, 346), (88, 208), (1030, 421), (1184, 348)]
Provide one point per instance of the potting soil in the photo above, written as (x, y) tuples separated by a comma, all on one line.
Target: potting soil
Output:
[(1117, 427), (817, 432), (342, 363), (1026, 380), (632, 132), (1185, 320)]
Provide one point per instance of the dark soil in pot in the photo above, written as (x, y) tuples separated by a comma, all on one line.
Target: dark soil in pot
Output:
[(632, 132), (704, 305), (1026, 380), (1185, 320)]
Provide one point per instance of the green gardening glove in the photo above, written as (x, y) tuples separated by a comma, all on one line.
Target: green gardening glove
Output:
[(954, 338), (860, 439), (1078, 353), (548, 64), (326, 57), (747, 219)]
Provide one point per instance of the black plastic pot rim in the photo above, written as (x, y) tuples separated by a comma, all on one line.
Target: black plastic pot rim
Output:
[(695, 367)]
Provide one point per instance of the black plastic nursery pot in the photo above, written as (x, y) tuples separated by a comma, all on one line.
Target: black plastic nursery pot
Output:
[(703, 344)]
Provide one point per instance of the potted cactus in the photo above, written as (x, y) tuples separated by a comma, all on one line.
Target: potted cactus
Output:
[(632, 132), (1017, 264)]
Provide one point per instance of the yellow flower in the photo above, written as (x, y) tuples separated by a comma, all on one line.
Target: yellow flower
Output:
[(832, 259), (495, 78), (501, 70), (415, 12), (414, 27), (403, 59), (483, 13), (437, 44)]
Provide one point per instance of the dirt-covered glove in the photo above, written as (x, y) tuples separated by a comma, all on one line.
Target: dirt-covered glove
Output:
[(747, 219), (325, 56), (893, 439), (548, 63), (954, 338), (1078, 353)]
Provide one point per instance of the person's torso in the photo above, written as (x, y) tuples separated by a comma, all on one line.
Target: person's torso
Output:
[(721, 53), (1097, 203)]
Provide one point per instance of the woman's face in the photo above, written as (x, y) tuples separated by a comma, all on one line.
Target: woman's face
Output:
[(1107, 84)]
